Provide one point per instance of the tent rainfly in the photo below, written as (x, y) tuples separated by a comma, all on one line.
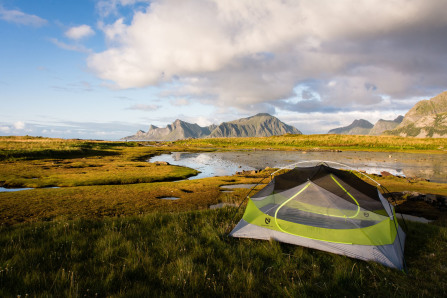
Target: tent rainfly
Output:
[(327, 209)]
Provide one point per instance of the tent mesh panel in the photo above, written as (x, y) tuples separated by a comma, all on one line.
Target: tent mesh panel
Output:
[(321, 197)]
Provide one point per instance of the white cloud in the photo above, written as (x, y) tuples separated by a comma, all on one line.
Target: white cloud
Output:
[(21, 18), (241, 53), (19, 125), (79, 32)]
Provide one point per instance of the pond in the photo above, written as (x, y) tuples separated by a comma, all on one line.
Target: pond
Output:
[(427, 166)]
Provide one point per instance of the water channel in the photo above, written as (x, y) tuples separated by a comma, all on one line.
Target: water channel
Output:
[(428, 166)]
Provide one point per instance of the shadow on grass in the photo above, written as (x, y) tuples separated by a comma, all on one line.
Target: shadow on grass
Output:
[(57, 154), (420, 242)]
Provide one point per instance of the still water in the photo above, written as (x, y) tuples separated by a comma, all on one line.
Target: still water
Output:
[(428, 166)]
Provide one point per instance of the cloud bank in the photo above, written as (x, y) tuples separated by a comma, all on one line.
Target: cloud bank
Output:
[(301, 56)]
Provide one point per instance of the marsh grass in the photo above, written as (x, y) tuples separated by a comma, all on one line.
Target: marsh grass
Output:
[(108, 234), (324, 142), (41, 162), (87, 171), (189, 254), (101, 201)]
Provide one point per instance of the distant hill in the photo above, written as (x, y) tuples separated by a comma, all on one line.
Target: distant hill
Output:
[(428, 118), (384, 125), (358, 127), (260, 125)]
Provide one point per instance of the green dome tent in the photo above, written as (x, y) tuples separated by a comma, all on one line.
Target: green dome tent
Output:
[(327, 209)]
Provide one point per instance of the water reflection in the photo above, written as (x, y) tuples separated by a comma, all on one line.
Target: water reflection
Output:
[(427, 166), (208, 164), (2, 189)]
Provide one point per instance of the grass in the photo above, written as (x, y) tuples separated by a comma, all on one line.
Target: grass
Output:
[(87, 171), (115, 200), (324, 142), (189, 254), (40, 162), (107, 232)]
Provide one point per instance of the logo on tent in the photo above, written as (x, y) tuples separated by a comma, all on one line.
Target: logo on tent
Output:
[(267, 220)]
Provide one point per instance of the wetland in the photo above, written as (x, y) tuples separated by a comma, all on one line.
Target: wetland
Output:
[(118, 225)]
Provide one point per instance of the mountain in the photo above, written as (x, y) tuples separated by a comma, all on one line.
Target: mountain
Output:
[(358, 127), (177, 130), (260, 125), (383, 125), (428, 118)]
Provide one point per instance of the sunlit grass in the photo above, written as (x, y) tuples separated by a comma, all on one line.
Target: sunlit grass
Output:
[(189, 254), (325, 142), (40, 162), (116, 200)]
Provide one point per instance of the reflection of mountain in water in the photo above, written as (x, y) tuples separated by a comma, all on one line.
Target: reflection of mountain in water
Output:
[(208, 164), (425, 166)]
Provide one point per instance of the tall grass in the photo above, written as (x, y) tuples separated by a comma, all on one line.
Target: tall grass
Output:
[(189, 254), (329, 142)]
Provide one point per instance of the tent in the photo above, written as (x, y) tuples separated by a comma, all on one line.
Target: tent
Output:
[(328, 209)]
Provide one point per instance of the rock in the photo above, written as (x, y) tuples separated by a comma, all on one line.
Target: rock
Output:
[(159, 163), (386, 174)]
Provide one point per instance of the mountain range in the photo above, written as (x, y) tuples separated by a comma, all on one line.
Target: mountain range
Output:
[(260, 125), (427, 118), (364, 127)]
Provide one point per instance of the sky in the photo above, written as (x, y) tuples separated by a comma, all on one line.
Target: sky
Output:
[(96, 69)]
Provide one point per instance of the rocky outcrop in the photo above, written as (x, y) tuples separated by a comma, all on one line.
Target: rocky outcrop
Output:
[(428, 118), (358, 127)]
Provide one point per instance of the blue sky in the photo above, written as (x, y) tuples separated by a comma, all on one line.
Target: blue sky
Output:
[(104, 69)]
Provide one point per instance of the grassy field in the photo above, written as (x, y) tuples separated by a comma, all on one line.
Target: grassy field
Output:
[(324, 142), (107, 231), (189, 254)]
